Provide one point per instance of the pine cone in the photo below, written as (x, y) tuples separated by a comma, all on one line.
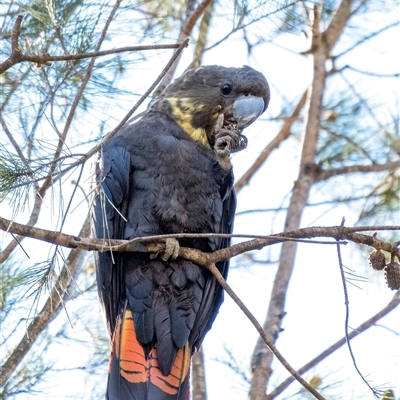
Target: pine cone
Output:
[(377, 260), (392, 272)]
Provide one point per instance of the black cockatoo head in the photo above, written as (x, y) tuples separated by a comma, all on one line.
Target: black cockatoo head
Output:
[(201, 95)]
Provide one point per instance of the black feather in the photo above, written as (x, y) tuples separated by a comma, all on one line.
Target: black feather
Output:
[(153, 178)]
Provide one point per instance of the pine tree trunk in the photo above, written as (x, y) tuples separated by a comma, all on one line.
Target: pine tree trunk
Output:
[(321, 45)]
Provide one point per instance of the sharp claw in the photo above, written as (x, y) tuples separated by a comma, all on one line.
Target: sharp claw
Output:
[(242, 144)]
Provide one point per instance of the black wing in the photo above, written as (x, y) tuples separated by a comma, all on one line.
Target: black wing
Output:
[(213, 293), (108, 222)]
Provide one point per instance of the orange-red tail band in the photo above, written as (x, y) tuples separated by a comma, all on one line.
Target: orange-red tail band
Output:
[(140, 377)]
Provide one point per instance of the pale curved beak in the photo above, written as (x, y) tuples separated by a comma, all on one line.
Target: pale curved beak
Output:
[(246, 109)]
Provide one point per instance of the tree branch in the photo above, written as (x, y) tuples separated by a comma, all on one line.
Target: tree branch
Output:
[(156, 243), (17, 56), (331, 349), (364, 39), (324, 175), (202, 37), (321, 45), (184, 34), (337, 24)]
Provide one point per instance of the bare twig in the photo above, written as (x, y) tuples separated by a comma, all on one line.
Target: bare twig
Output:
[(347, 316), (317, 204), (363, 327), (352, 142), (351, 169), (362, 101), (46, 59), (240, 25), (365, 38), (206, 260), (369, 73), (14, 142)]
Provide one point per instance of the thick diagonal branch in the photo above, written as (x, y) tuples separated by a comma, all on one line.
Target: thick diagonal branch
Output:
[(184, 33)]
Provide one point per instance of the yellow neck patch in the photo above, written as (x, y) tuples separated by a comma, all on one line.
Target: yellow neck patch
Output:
[(182, 111)]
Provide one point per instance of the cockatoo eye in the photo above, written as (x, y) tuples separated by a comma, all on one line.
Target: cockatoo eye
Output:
[(226, 88)]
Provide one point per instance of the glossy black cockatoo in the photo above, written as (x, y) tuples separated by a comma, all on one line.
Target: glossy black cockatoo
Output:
[(169, 173)]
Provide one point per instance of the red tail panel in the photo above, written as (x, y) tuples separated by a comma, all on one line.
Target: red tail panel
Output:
[(170, 383), (132, 360), (133, 376)]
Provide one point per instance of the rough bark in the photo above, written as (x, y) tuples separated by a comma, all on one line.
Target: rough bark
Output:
[(199, 391)]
